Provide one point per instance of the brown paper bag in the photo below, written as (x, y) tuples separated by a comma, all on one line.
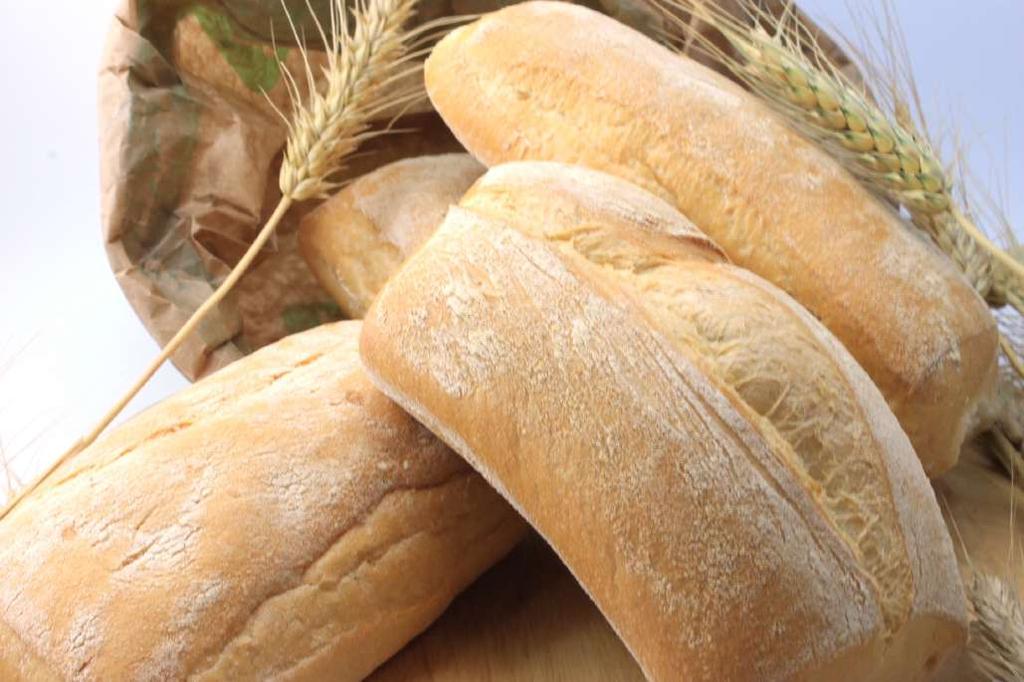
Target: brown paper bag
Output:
[(190, 154)]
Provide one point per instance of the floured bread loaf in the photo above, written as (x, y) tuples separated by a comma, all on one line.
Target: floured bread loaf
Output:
[(717, 471), (279, 520), (357, 239), (525, 620), (593, 92)]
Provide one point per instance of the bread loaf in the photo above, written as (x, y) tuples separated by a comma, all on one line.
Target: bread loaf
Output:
[(593, 92), (525, 620), (279, 520), (358, 238), (716, 470)]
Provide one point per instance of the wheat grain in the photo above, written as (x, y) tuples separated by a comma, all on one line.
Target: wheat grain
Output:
[(780, 61), (361, 66), (997, 630), (996, 644), (778, 58)]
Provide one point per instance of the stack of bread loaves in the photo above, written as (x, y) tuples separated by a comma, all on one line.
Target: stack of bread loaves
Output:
[(641, 316), (714, 468)]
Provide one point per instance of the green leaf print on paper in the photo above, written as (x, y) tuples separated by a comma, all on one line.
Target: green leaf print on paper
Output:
[(299, 318), (257, 69)]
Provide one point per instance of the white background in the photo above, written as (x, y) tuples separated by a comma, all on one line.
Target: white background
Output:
[(70, 344)]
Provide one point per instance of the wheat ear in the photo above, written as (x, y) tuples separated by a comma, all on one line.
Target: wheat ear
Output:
[(362, 64), (780, 61), (996, 644), (996, 641)]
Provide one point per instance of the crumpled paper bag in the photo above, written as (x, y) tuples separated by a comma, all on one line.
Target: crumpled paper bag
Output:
[(190, 149)]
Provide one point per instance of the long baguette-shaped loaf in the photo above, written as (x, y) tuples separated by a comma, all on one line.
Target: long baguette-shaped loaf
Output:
[(594, 92), (717, 471), (279, 520), (358, 238)]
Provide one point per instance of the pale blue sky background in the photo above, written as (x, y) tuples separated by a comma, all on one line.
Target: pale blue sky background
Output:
[(70, 344), (968, 61)]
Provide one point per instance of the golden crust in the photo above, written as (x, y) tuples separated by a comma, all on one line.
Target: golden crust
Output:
[(529, 337), (281, 515), (593, 92), (358, 238)]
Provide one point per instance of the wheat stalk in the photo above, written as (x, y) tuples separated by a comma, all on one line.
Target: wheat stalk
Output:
[(996, 644), (11, 481), (996, 640), (780, 61), (362, 67), (360, 64)]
